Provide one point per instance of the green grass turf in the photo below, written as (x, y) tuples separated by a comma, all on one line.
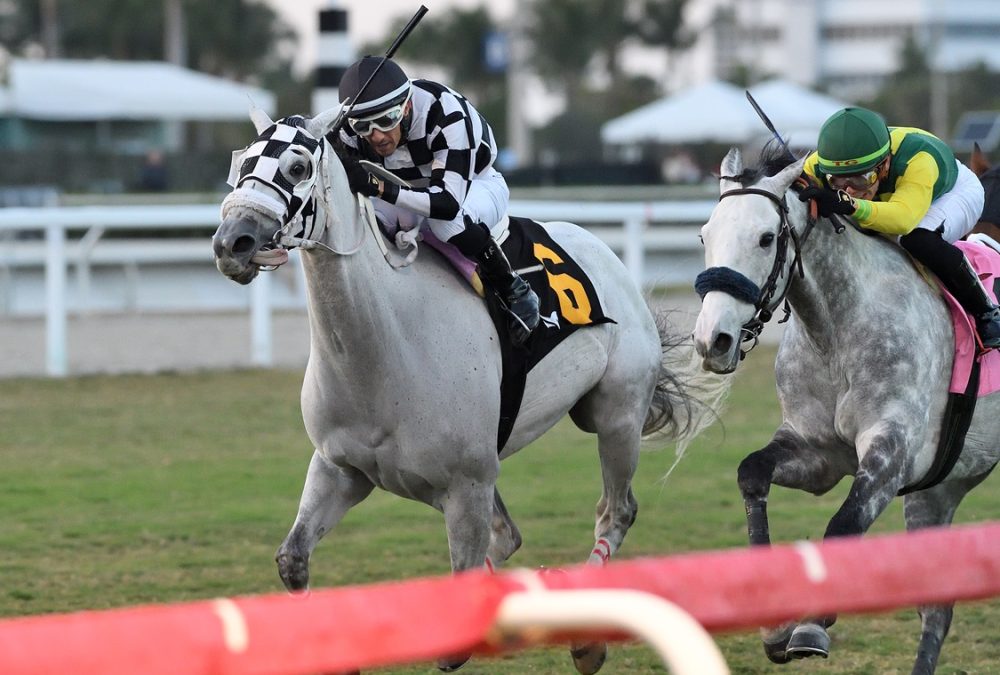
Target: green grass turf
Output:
[(137, 489)]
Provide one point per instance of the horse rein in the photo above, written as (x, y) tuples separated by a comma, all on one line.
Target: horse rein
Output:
[(734, 283)]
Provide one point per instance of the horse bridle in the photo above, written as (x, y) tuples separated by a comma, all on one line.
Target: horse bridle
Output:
[(296, 206), (731, 282)]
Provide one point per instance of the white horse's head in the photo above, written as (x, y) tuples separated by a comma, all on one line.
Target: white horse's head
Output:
[(746, 240), (273, 201)]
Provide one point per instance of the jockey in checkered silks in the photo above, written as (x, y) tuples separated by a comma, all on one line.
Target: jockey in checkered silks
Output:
[(434, 139)]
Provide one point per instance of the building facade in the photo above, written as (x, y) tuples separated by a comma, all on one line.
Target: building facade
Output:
[(846, 47)]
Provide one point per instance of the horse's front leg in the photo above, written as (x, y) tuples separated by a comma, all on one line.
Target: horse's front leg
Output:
[(505, 538), (790, 462), (468, 517), (882, 449), (328, 493)]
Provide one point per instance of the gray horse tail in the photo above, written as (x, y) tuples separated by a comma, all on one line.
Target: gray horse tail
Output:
[(687, 398)]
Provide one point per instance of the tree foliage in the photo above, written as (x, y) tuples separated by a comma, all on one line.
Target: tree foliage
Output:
[(454, 41), (577, 43), (905, 100), (576, 46), (235, 38)]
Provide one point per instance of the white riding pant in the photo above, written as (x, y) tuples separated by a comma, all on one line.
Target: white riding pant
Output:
[(957, 211), (485, 202)]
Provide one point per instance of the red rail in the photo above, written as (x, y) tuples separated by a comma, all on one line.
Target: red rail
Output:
[(369, 626)]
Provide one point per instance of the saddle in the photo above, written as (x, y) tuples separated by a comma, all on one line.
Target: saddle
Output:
[(974, 373), (567, 298), (567, 302), (985, 259)]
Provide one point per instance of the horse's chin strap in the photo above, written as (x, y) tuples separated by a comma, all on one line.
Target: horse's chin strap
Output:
[(733, 283)]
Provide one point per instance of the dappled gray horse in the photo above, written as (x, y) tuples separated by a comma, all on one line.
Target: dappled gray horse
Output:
[(863, 371), (402, 387)]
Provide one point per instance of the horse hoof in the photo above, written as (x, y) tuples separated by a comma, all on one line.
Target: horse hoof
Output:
[(294, 571), (452, 663), (808, 639), (589, 657), (776, 643)]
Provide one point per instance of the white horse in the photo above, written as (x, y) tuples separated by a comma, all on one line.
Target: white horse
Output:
[(863, 371), (402, 387)]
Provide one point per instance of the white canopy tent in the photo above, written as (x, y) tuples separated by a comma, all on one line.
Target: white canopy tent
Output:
[(71, 90), (719, 112), (712, 111)]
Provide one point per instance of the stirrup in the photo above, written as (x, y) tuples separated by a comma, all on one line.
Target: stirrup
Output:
[(988, 327), (521, 304)]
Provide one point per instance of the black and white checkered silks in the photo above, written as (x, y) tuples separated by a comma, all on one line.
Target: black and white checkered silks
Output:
[(295, 206)]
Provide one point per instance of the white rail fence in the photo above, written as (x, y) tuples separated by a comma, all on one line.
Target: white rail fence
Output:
[(625, 226)]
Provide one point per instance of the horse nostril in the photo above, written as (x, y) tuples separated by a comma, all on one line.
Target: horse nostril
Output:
[(244, 244), (723, 343)]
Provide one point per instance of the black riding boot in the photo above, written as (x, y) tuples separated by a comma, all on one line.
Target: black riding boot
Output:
[(521, 301), (977, 302), (950, 265)]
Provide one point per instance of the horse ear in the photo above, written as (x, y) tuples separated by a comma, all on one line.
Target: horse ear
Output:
[(781, 181), (319, 125), (259, 118), (978, 161), (732, 166)]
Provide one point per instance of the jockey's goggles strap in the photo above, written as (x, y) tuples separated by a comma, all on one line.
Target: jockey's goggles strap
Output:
[(861, 181), (386, 120)]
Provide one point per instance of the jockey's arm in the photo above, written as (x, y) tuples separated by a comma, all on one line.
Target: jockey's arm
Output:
[(907, 204), (451, 174)]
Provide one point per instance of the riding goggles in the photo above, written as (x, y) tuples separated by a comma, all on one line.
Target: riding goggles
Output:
[(386, 120), (861, 181)]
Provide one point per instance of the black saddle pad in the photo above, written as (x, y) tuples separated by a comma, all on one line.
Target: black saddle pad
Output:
[(567, 301)]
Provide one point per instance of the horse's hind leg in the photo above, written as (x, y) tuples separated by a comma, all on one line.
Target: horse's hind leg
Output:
[(931, 508), (328, 493), (618, 437)]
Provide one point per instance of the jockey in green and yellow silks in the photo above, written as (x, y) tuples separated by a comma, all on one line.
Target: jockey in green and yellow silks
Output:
[(905, 182)]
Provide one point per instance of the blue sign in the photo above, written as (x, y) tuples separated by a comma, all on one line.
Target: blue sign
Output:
[(496, 52)]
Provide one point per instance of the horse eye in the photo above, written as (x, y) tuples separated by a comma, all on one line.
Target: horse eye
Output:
[(701, 239), (298, 170), (766, 239)]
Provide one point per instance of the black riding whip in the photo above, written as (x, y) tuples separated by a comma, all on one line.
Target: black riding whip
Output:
[(769, 125), (836, 219), (407, 29)]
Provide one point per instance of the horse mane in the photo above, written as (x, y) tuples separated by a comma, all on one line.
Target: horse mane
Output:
[(772, 159)]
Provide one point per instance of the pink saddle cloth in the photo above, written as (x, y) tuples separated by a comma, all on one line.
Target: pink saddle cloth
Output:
[(986, 262)]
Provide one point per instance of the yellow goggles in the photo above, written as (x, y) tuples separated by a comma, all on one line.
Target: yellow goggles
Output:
[(861, 181)]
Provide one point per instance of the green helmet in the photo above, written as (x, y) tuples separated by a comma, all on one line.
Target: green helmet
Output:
[(853, 140)]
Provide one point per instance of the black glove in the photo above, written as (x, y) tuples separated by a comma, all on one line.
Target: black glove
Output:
[(829, 202), (358, 177)]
